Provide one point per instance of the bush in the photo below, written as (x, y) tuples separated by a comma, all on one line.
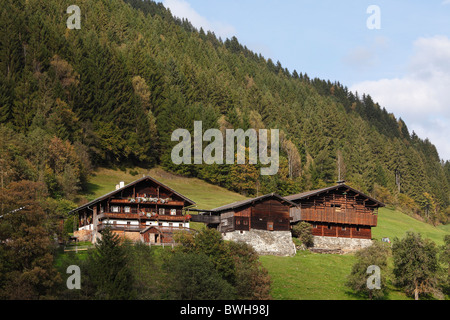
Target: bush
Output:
[(192, 276), (302, 231), (375, 255), (237, 263)]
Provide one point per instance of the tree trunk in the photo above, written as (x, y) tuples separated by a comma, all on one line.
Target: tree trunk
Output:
[(416, 292)]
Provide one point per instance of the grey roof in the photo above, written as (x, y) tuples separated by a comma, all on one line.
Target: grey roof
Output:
[(244, 202), (307, 194), (127, 186)]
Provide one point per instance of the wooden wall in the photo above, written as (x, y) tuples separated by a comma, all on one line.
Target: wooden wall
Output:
[(150, 189), (338, 206), (267, 214), (270, 215), (342, 231)]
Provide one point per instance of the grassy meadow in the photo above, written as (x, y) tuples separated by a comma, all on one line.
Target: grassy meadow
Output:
[(205, 195), (306, 276)]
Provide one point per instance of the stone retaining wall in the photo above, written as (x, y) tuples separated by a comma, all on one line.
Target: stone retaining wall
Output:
[(344, 244), (83, 235), (277, 243)]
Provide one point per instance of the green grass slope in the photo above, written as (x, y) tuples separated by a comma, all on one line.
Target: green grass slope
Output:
[(393, 223), (205, 195)]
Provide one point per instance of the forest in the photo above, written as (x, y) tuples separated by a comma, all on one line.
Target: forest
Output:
[(111, 93)]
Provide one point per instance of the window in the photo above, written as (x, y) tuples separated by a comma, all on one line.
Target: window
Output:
[(162, 211), (344, 228), (314, 226), (115, 209), (357, 229), (173, 212), (329, 227), (127, 209)]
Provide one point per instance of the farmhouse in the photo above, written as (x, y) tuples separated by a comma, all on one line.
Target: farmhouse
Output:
[(144, 210)]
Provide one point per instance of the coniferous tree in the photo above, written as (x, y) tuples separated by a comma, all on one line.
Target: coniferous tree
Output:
[(108, 268)]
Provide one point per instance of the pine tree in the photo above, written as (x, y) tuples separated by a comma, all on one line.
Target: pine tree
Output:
[(108, 268)]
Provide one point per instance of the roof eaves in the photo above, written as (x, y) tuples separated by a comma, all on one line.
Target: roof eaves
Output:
[(109, 194)]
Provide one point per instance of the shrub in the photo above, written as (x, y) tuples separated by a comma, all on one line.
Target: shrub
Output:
[(302, 231)]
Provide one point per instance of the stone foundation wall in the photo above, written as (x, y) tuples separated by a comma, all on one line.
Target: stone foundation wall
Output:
[(132, 236), (277, 243), (344, 244), (83, 235)]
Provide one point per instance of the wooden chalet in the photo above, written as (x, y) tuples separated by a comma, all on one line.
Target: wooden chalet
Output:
[(338, 211), (144, 210), (269, 212)]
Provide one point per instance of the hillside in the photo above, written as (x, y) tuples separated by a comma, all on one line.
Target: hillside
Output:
[(306, 276), (112, 93), (205, 195)]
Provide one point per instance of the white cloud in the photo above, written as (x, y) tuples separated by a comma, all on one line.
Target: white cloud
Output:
[(182, 9), (422, 96), (362, 58)]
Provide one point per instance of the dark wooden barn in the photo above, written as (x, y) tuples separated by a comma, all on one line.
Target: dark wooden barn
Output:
[(269, 212), (338, 211)]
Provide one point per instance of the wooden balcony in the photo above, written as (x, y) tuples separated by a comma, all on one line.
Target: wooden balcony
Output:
[(138, 228), (143, 217), (142, 201), (345, 217), (119, 227), (210, 219)]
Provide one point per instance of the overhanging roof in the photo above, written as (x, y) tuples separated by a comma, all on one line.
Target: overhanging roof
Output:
[(308, 194), (112, 193), (245, 202)]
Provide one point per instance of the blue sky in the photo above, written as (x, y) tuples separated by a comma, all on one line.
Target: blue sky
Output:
[(404, 65)]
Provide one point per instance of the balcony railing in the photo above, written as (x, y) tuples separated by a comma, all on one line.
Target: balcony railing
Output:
[(119, 227), (345, 217), (125, 227), (206, 218), (148, 201), (137, 216)]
